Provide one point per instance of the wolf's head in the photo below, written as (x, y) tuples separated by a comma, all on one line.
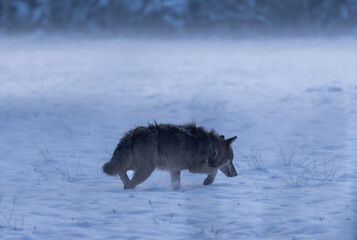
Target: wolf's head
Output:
[(223, 157), (226, 163)]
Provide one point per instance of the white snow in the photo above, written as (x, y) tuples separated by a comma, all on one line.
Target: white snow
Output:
[(64, 105)]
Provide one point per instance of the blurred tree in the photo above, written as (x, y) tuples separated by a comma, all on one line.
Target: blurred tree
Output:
[(225, 16)]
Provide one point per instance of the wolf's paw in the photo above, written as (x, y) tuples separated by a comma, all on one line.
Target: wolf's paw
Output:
[(208, 181), (129, 186), (176, 187)]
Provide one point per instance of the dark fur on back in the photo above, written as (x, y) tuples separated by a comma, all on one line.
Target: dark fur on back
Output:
[(191, 131), (195, 138)]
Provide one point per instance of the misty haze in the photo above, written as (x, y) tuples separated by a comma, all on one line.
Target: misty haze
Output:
[(75, 76)]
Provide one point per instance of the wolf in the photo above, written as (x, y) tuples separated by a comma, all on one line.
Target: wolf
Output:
[(172, 148)]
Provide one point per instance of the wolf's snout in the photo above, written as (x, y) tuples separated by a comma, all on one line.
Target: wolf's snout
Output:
[(229, 170), (233, 173)]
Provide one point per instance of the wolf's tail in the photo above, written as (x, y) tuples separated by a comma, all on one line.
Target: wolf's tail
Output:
[(110, 168)]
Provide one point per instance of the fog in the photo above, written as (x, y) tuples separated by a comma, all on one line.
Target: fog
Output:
[(75, 76)]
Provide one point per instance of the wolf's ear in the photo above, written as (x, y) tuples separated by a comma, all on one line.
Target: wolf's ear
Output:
[(222, 137), (230, 140)]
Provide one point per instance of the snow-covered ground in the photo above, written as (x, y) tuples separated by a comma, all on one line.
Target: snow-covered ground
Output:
[(64, 105)]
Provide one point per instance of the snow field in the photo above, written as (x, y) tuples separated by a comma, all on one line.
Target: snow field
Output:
[(64, 105)]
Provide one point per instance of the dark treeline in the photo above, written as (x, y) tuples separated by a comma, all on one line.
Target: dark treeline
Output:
[(177, 16)]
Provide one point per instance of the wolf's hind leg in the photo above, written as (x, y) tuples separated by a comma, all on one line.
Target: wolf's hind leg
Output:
[(210, 178), (140, 176), (125, 179), (175, 180)]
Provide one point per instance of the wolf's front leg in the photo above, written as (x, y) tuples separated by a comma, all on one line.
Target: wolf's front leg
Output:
[(140, 175), (210, 178), (126, 181), (175, 180)]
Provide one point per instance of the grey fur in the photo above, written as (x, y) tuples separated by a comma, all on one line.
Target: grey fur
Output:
[(172, 148)]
